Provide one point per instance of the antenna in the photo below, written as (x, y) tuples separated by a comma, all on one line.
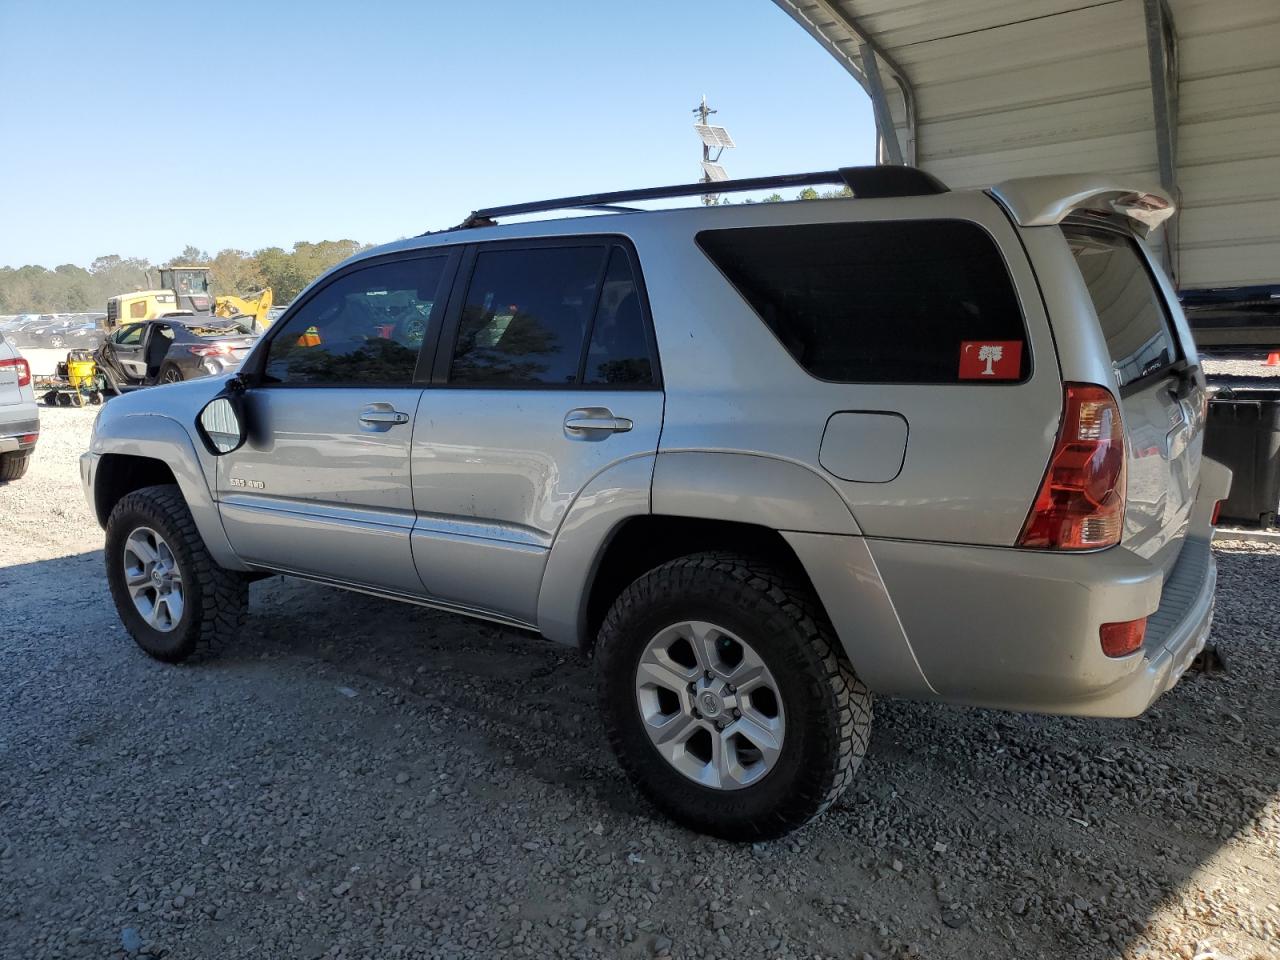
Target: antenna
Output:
[(713, 138)]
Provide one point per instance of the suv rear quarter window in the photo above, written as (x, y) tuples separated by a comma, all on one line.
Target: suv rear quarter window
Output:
[(881, 302)]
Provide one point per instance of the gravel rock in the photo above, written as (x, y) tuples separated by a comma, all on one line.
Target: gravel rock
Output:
[(245, 809)]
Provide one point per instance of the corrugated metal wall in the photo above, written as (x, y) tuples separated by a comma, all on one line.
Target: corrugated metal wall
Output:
[(1009, 89)]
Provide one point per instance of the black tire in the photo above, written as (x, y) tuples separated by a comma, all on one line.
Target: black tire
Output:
[(109, 381), (13, 465), (215, 601), (170, 373), (828, 707)]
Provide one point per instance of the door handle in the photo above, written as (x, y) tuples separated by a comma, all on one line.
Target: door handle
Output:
[(587, 421), (383, 417)]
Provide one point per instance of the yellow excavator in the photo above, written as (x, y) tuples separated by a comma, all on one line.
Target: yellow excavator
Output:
[(187, 290)]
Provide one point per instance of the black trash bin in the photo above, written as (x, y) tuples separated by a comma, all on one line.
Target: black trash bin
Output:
[(1243, 433)]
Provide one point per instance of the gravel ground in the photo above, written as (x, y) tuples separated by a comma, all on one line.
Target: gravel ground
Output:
[(356, 778)]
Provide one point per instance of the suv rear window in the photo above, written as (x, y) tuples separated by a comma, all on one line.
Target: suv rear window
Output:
[(895, 302), (1124, 295)]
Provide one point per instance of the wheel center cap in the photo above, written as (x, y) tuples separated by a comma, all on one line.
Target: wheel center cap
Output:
[(156, 576), (710, 704)]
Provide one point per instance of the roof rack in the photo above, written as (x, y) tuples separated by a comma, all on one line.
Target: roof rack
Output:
[(865, 182)]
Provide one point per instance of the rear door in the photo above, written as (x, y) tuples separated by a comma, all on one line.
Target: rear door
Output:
[(546, 377), (322, 487), (1160, 401)]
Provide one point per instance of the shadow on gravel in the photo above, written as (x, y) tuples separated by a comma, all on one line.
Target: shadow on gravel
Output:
[(1060, 836)]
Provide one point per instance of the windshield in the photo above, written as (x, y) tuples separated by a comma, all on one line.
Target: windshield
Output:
[(187, 282), (1128, 304)]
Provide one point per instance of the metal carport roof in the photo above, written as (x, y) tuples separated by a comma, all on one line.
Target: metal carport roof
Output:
[(1184, 92)]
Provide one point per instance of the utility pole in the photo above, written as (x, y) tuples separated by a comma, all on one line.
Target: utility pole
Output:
[(712, 137), (703, 112)]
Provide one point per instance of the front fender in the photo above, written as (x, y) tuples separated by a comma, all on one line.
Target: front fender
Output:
[(158, 437)]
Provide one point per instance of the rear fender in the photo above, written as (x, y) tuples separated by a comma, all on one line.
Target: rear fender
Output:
[(612, 496), (748, 488)]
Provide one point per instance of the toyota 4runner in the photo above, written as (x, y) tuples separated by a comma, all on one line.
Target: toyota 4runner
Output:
[(761, 460)]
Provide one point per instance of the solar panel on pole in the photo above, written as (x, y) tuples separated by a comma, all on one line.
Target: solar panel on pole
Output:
[(714, 136), (714, 171)]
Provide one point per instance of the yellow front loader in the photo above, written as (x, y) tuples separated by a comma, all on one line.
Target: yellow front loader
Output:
[(187, 289)]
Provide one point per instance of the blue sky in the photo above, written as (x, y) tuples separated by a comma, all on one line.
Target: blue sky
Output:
[(138, 127)]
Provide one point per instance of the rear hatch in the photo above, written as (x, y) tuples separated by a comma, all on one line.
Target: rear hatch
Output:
[(10, 371), (1160, 392)]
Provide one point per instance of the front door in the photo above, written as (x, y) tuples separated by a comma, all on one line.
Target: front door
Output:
[(322, 486), (545, 378), (127, 351)]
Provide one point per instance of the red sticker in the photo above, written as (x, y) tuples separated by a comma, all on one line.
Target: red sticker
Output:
[(990, 359)]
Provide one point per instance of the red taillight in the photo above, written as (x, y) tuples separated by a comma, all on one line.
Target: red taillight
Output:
[(1080, 505), (23, 368), (1217, 512), (1122, 639), (211, 350), (27, 439)]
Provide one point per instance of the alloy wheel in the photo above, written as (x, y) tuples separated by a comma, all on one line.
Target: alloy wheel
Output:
[(153, 579), (710, 705)]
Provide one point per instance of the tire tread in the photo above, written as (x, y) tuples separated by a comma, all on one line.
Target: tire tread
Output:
[(826, 671)]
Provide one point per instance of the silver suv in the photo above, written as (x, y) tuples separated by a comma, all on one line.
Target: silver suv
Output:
[(760, 460), (19, 417)]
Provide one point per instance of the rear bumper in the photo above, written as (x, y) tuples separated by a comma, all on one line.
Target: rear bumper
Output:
[(13, 431), (1019, 629)]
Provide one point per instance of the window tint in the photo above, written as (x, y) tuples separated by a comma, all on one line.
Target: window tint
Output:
[(525, 316), (892, 302), (1128, 305), (365, 327), (131, 333), (619, 351)]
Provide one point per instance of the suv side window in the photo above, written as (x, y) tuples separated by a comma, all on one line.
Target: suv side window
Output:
[(902, 301), (365, 327), (526, 314), (618, 352)]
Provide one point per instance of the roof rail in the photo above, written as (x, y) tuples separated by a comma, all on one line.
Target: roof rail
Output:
[(865, 182)]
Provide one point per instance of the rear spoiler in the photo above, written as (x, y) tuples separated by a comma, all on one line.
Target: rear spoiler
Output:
[(1044, 201)]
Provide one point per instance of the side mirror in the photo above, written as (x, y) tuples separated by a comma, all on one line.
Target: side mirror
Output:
[(221, 424)]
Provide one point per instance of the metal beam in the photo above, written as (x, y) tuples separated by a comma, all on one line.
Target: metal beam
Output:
[(890, 149), (1162, 61), (861, 67)]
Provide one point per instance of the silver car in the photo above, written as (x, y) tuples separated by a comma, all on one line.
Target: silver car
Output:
[(19, 414), (761, 461)]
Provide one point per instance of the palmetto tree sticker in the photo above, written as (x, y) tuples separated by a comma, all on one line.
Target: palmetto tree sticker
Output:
[(990, 353), (990, 360)]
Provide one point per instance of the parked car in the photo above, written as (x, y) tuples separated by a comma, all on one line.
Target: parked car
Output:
[(172, 349), (19, 414), (760, 461)]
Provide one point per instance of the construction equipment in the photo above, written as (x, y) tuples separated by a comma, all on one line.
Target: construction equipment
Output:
[(77, 382), (186, 290)]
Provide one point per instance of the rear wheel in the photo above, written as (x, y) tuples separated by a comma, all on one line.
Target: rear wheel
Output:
[(13, 465), (726, 697), (173, 599)]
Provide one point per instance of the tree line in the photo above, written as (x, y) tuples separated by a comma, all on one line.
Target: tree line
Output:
[(74, 289)]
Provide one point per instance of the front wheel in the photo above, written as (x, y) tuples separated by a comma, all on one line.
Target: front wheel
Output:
[(727, 699), (173, 599), (171, 373)]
